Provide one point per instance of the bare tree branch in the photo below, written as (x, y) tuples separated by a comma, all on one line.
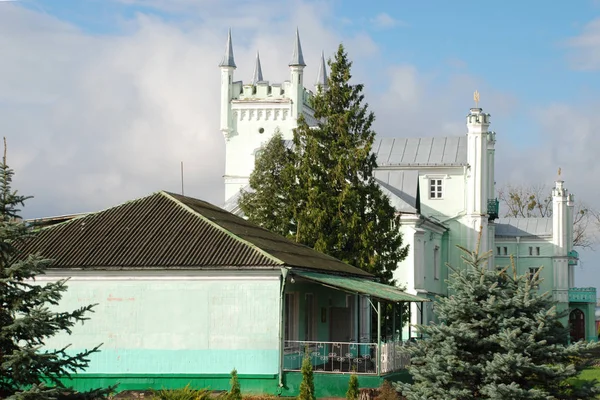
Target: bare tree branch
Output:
[(523, 201)]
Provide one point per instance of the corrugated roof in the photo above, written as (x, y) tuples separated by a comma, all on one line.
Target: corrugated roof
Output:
[(165, 230), (402, 188), (432, 151), (513, 227), (362, 286)]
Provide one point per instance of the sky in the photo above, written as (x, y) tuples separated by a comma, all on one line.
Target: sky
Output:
[(101, 100)]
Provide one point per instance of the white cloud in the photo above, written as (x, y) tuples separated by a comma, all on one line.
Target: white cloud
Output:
[(95, 120), (585, 48), (385, 21)]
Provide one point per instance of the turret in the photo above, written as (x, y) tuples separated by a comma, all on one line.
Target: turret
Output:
[(258, 75), (297, 78), (322, 75), (480, 205), (227, 67), (562, 218)]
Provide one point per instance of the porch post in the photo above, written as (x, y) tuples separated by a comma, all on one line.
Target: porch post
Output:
[(394, 335), (409, 320), (393, 321), (378, 337), (284, 273), (401, 325), (422, 319)]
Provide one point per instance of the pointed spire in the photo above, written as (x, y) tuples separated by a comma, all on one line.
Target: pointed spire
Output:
[(322, 75), (258, 76), (228, 57), (297, 58)]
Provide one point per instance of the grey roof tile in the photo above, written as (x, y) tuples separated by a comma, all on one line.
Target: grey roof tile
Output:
[(166, 230), (430, 151), (524, 227)]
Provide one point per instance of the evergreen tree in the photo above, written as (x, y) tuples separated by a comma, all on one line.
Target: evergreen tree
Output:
[(26, 319), (325, 192), (353, 392), (499, 338), (307, 386), (269, 206)]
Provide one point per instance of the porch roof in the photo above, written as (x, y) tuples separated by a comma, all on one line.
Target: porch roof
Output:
[(361, 286)]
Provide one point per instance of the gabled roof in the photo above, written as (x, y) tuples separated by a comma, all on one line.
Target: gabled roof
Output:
[(402, 188), (432, 151), (166, 230), (523, 227)]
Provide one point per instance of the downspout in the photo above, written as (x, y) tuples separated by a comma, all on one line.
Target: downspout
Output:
[(284, 273)]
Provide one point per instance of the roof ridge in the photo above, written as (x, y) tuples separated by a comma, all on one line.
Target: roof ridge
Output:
[(219, 227), (92, 213)]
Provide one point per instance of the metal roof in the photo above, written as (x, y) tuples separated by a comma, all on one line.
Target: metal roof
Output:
[(402, 188), (166, 230), (362, 286), (431, 151), (523, 227)]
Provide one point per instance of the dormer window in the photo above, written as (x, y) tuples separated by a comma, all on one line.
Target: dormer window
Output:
[(435, 188)]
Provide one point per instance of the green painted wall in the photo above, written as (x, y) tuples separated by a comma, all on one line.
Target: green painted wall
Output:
[(199, 326), (326, 385)]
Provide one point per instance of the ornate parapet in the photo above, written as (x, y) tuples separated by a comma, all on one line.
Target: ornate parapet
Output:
[(582, 295)]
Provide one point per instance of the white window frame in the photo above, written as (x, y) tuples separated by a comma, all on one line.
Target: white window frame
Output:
[(435, 187), (291, 317), (310, 317)]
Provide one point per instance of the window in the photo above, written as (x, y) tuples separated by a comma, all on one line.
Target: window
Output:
[(436, 262), (530, 250), (291, 317), (505, 250), (309, 317), (498, 250), (532, 272), (537, 251), (435, 188)]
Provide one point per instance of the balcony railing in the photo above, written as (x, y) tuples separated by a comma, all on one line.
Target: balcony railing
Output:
[(493, 209), (345, 357), (582, 295)]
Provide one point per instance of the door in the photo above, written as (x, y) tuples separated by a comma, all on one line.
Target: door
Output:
[(577, 324)]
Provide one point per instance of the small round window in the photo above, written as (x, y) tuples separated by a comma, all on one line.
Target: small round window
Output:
[(261, 130)]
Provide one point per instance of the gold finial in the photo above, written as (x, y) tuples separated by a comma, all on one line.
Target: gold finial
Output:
[(476, 98), (559, 170)]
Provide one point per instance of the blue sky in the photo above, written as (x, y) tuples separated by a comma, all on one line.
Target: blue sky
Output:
[(126, 89)]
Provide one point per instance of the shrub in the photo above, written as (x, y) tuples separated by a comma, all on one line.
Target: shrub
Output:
[(186, 393), (235, 393), (307, 387), (353, 392), (387, 392)]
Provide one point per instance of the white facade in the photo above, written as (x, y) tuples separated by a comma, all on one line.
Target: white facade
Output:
[(252, 112), (443, 188)]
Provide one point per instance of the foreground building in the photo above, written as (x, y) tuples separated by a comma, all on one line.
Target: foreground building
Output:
[(442, 187), (186, 292)]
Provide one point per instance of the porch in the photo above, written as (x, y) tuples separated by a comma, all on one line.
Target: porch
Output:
[(345, 325)]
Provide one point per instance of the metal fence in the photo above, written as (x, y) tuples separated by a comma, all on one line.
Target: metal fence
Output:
[(340, 357)]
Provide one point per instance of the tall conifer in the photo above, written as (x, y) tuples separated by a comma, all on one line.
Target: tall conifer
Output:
[(27, 316), (331, 201), (499, 338)]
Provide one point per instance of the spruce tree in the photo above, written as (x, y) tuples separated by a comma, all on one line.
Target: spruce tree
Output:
[(307, 386), (269, 207), (27, 371), (499, 338), (327, 196)]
